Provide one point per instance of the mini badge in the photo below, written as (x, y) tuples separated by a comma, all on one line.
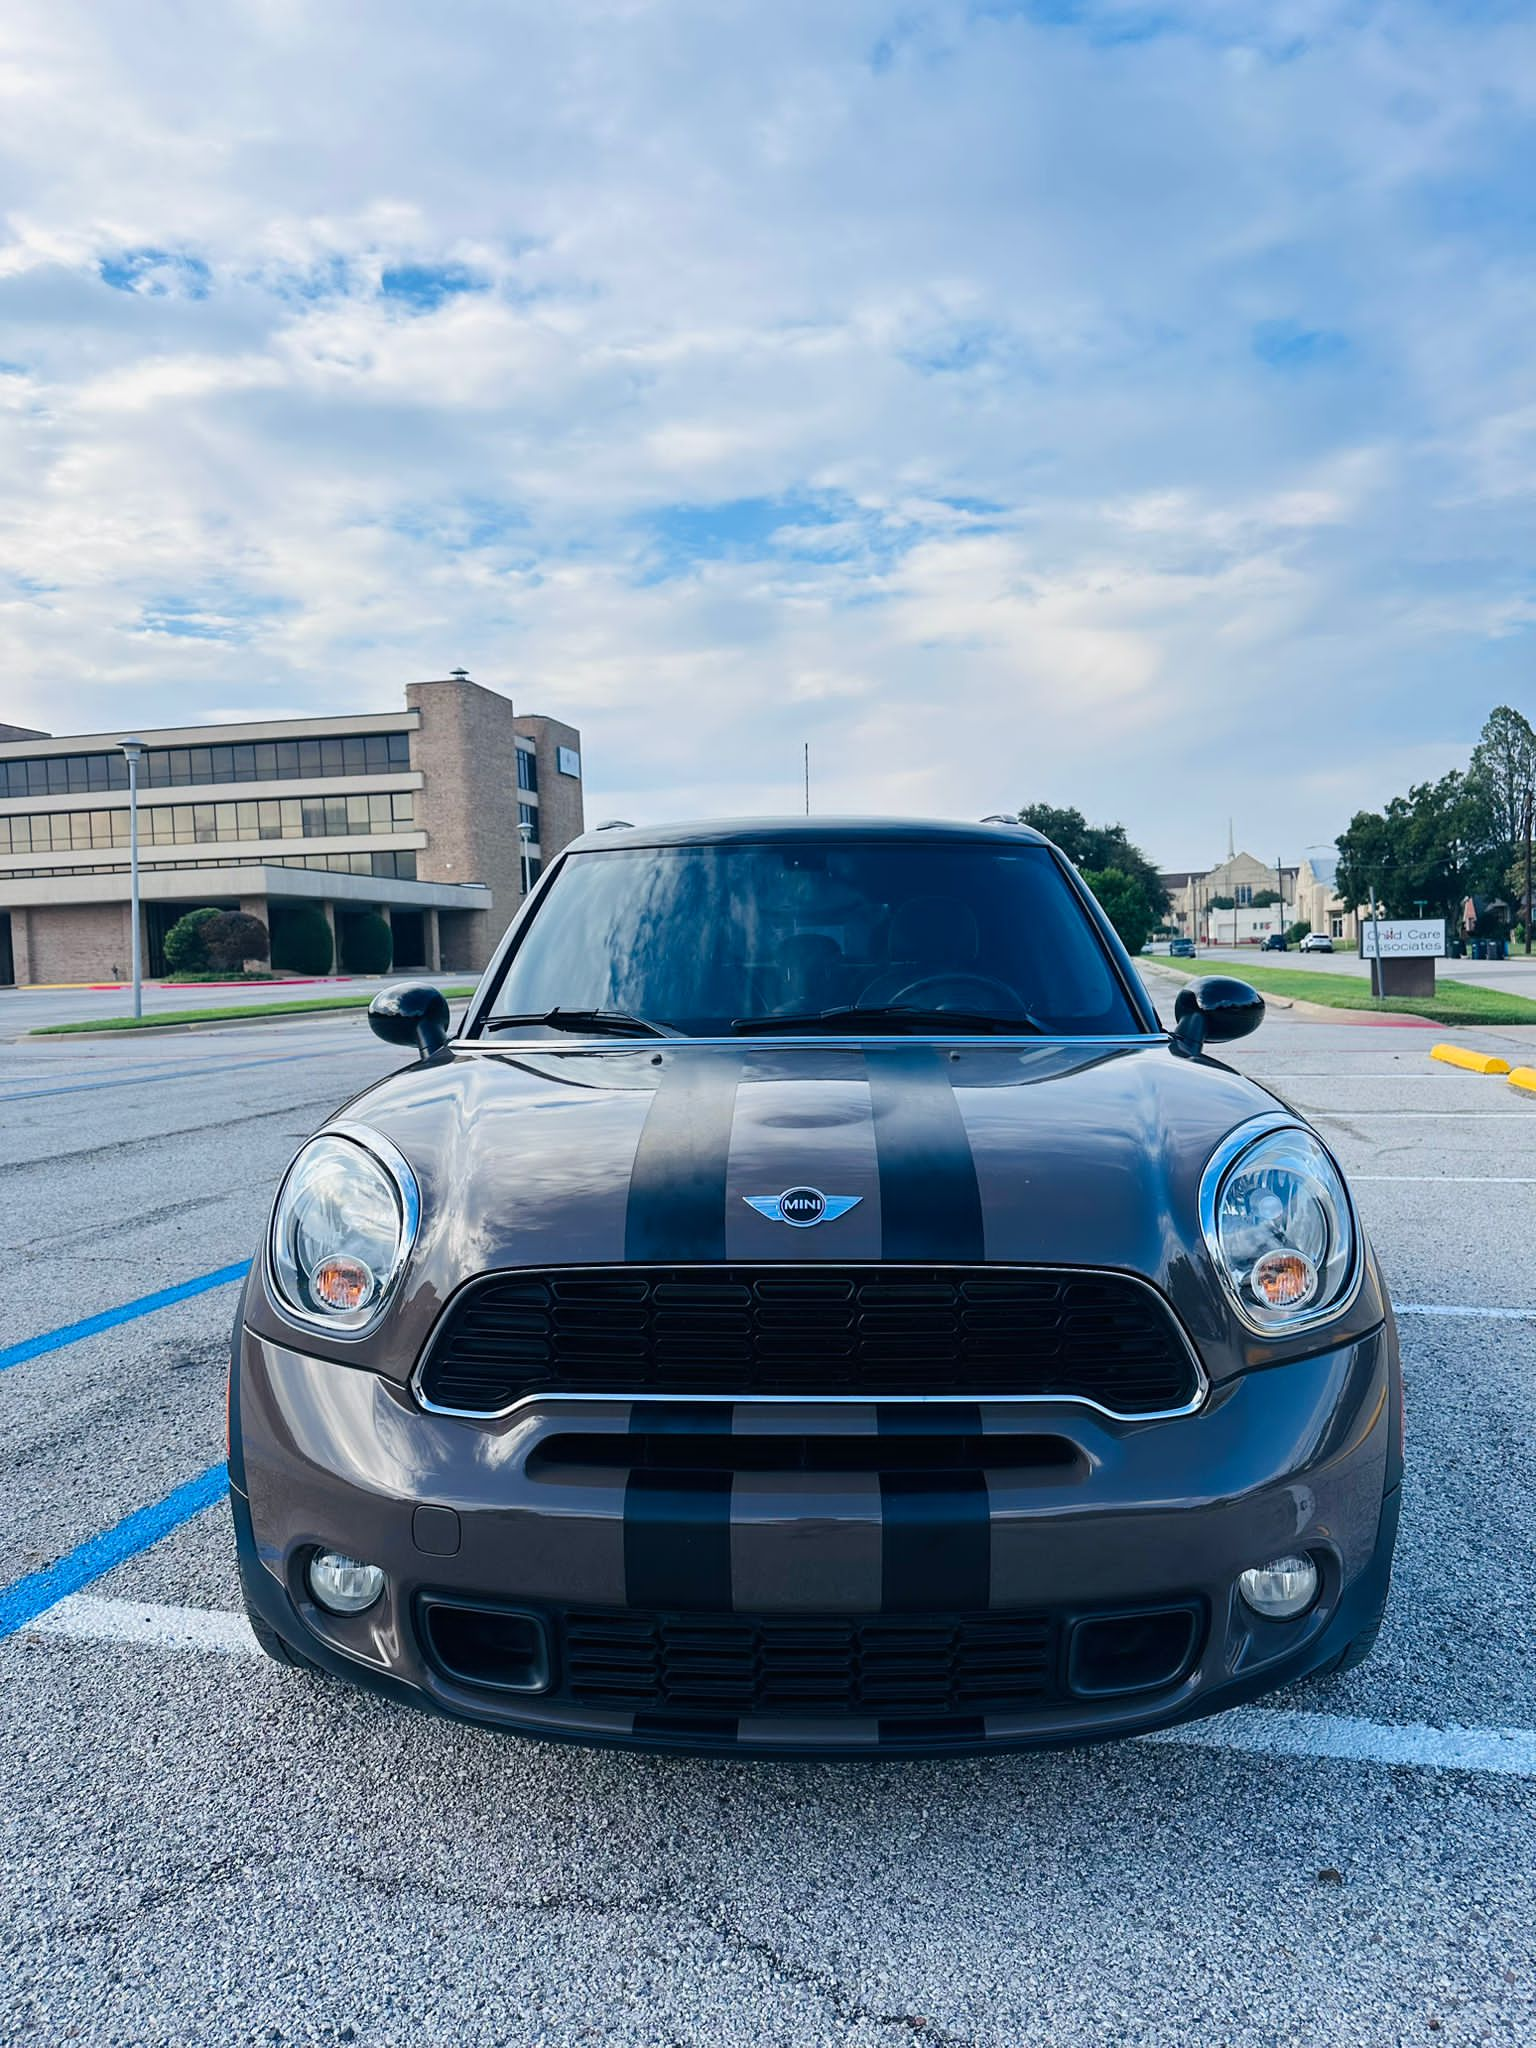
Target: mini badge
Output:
[(802, 1206)]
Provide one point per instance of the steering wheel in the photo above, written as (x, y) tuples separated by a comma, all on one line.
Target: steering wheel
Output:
[(969, 987)]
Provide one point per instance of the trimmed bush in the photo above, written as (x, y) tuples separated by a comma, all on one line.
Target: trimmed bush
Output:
[(186, 950), (1297, 932), (301, 941), (367, 944), (232, 938)]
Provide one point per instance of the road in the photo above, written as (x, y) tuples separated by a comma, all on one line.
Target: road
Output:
[(202, 1847), (25, 1009)]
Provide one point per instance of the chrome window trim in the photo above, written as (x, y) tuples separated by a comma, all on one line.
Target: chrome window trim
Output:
[(1217, 1169), (344, 1328), (947, 1398)]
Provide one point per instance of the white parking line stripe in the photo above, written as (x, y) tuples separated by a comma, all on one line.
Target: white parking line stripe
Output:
[(1445, 1308), (1388, 1116), (88, 1618), (1279, 1731), (1252, 1731), (1476, 1180)]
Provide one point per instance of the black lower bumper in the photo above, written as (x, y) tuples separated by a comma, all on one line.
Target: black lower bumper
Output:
[(518, 1596)]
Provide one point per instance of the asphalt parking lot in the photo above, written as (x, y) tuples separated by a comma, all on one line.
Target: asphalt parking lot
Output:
[(202, 1847)]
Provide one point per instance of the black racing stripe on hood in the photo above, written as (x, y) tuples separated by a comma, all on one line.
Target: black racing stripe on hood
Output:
[(930, 1203), (677, 1187)]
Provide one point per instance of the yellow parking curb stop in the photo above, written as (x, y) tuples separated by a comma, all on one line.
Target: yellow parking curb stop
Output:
[(1524, 1077), (1474, 1062)]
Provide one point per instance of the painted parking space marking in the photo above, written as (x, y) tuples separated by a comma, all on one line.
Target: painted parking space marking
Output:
[(86, 1617), (25, 1599), (1451, 1309), (1249, 1731), (1283, 1732), (1473, 1180), (126, 1312)]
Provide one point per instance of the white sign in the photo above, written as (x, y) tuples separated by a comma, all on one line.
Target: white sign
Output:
[(1394, 938), (568, 761)]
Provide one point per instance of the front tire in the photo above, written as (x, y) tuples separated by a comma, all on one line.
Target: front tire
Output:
[(1355, 1653), (267, 1637)]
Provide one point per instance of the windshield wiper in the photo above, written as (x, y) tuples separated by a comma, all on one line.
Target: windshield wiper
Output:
[(605, 1023), (903, 1016)]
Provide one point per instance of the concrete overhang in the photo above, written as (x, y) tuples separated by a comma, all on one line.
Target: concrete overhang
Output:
[(203, 885)]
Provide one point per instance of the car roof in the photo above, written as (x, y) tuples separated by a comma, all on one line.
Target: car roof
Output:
[(745, 831)]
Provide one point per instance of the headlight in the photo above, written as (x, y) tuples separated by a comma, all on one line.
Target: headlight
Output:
[(344, 1220), (1278, 1223)]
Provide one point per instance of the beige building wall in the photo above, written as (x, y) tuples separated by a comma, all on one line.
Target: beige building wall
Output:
[(560, 802), (466, 749), (75, 942), (1318, 901)]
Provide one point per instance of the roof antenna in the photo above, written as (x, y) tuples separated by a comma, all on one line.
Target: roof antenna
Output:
[(807, 778)]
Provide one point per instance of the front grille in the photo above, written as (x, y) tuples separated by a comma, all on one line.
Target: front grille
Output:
[(858, 1331), (744, 1664)]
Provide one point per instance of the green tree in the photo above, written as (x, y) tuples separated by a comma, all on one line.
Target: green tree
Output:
[(1425, 853), (301, 940), (185, 951), (1099, 848), (231, 937), (1124, 902), (366, 944), (1504, 770)]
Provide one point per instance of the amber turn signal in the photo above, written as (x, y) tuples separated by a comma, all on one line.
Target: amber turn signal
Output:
[(1284, 1279), (341, 1282)]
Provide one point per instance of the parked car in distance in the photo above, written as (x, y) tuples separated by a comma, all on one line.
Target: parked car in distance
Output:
[(810, 1306), (1275, 943), (1181, 949), (1317, 942)]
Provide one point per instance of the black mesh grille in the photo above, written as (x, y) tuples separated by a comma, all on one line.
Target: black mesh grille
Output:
[(743, 1664), (861, 1331)]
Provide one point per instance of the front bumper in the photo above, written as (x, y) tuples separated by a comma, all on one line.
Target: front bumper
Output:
[(875, 1527)]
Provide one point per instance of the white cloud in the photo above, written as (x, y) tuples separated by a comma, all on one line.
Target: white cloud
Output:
[(1013, 408)]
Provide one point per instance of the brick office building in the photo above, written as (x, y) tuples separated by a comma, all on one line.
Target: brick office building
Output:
[(413, 814)]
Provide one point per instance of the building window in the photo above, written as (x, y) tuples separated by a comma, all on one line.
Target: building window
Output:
[(384, 753), (527, 814), (289, 817), (1243, 895), (527, 769)]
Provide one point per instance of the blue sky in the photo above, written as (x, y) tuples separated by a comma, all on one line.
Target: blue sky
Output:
[(1128, 406)]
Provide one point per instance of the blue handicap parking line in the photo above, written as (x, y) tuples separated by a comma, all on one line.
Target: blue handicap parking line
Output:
[(27, 1598), (109, 1318)]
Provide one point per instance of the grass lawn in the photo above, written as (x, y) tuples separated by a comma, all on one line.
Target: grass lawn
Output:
[(158, 1019), (1454, 1002)]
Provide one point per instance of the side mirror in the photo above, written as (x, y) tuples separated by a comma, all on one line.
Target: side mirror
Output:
[(411, 1013), (1215, 1007)]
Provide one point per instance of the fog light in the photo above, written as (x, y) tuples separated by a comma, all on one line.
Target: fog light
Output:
[(341, 1585), (1281, 1589)]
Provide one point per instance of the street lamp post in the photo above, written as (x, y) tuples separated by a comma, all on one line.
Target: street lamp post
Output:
[(525, 833), (131, 750)]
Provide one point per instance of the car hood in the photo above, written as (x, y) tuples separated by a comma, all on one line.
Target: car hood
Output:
[(1077, 1154)]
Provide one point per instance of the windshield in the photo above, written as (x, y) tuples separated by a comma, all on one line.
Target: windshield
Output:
[(698, 939)]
